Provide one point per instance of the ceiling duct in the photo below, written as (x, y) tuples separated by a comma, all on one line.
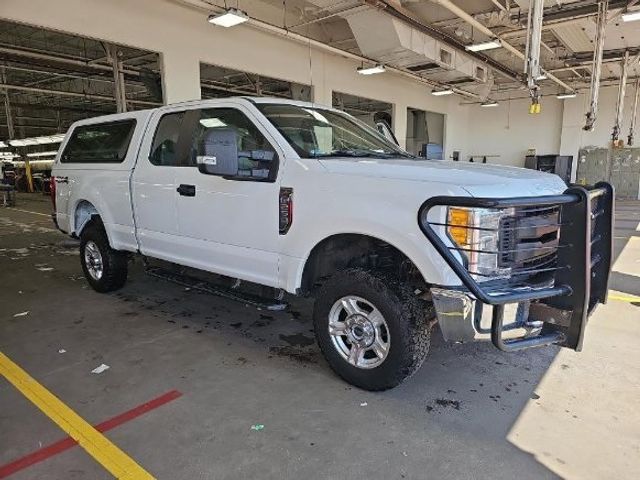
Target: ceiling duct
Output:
[(394, 42)]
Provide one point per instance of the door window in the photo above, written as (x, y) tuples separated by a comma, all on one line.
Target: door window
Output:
[(164, 150), (183, 137), (257, 159)]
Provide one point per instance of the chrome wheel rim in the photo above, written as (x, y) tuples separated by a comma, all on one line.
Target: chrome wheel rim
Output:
[(93, 260), (359, 332)]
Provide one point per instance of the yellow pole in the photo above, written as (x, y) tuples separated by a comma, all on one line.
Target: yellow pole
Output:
[(27, 170)]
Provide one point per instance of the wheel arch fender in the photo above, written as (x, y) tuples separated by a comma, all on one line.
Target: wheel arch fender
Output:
[(83, 213), (346, 246)]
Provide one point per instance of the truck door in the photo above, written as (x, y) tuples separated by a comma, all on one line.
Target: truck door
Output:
[(154, 190), (229, 224)]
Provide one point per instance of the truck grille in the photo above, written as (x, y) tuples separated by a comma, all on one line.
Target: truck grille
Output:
[(529, 240)]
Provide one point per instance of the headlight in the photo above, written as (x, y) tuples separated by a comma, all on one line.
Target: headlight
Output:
[(476, 233)]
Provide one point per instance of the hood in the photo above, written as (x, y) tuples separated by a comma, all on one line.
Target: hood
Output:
[(479, 180)]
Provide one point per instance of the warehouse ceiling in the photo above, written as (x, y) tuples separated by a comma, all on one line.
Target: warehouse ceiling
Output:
[(567, 41), (220, 82), (52, 78)]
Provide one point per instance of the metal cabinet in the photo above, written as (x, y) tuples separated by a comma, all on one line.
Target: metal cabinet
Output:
[(620, 167), (558, 164)]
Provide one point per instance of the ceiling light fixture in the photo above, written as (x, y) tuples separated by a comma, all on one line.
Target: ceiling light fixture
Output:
[(439, 93), (479, 47), (631, 16), (562, 96), (42, 154), (23, 142), (490, 103), (230, 18), (371, 70)]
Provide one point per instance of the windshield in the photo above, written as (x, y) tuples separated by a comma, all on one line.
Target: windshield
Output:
[(317, 133)]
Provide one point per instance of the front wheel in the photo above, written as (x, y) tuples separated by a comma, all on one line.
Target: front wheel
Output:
[(372, 331)]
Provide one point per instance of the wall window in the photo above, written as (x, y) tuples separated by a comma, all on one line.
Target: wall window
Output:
[(99, 143)]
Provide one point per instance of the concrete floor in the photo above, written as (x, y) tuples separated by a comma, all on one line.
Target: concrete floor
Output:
[(536, 414)]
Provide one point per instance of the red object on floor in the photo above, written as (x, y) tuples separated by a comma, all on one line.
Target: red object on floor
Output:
[(67, 443)]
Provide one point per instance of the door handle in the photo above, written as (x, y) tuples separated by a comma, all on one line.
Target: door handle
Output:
[(186, 190)]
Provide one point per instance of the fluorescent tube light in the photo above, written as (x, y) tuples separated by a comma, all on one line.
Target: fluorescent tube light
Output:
[(491, 103), (479, 47), (371, 70), (23, 142), (631, 16), (562, 96), (229, 18), (42, 154), (439, 93)]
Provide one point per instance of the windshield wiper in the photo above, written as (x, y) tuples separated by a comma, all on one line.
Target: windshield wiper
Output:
[(360, 153)]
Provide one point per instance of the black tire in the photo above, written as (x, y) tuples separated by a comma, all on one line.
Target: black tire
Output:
[(114, 263), (406, 318)]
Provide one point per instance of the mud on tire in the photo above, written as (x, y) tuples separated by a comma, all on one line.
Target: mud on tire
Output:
[(113, 263), (405, 317)]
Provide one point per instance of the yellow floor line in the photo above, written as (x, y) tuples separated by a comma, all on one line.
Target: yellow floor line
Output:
[(118, 463), (624, 298), (29, 211)]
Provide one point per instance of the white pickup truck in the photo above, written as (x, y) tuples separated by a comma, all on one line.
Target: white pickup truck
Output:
[(308, 200)]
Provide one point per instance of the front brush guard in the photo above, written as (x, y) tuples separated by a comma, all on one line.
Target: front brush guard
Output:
[(580, 282)]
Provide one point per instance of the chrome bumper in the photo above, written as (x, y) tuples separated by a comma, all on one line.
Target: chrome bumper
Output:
[(464, 319)]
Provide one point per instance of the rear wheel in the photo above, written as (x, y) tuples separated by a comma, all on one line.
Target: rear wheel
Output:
[(372, 331), (104, 268)]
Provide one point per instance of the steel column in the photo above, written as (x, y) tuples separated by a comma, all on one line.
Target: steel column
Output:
[(115, 57), (622, 89), (634, 115), (603, 7), (532, 62), (7, 105)]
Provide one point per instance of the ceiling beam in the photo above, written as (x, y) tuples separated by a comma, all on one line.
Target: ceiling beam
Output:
[(88, 96), (585, 58), (453, 8), (62, 63), (573, 12)]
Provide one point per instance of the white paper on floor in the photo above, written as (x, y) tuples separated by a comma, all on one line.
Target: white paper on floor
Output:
[(21, 314), (100, 368)]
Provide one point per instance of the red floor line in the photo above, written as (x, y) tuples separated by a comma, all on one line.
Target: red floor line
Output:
[(67, 443)]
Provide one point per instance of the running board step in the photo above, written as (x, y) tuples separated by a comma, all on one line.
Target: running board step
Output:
[(208, 287)]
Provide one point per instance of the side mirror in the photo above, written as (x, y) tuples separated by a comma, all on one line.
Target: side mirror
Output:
[(218, 153), (385, 130)]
